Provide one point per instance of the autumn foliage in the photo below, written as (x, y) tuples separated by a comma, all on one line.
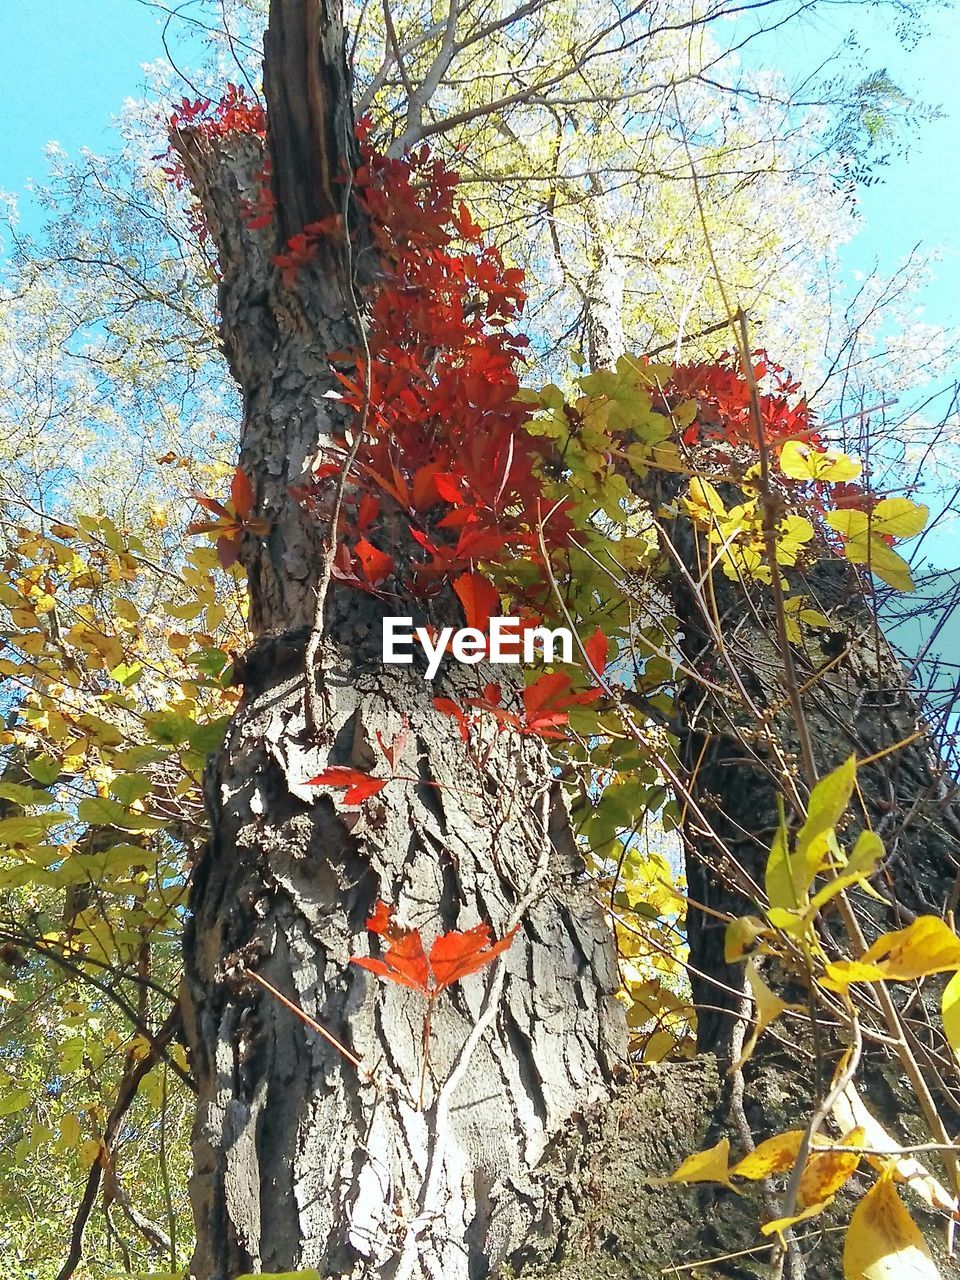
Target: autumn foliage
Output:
[(452, 955)]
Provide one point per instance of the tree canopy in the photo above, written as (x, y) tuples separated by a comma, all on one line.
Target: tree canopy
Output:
[(557, 292)]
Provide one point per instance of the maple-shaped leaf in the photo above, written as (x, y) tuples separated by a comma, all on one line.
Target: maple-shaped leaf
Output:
[(597, 649), (454, 955), (376, 564), (404, 960), (360, 786), (479, 598)]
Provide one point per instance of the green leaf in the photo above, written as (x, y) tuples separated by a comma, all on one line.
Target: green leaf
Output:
[(29, 829), (206, 738), (168, 727), (44, 769), (14, 1100), (131, 786), (827, 805), (99, 812), (17, 794)]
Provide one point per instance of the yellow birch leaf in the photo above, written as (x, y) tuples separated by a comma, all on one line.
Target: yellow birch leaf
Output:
[(712, 1165), (775, 1155), (924, 947), (769, 1008), (827, 1171), (883, 1242), (951, 1012)]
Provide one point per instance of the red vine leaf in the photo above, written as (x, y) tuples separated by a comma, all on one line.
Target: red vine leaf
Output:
[(376, 564), (360, 786), (479, 597), (453, 955), (547, 700)]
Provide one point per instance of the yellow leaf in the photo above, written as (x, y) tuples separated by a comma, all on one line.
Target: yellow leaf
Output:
[(924, 947), (775, 1155), (658, 1046), (703, 502), (706, 1166), (769, 1008), (898, 517), (849, 1110), (70, 1131), (951, 1012), (883, 1242), (88, 1152), (826, 1171), (781, 1224), (127, 610), (839, 974), (740, 936), (799, 461)]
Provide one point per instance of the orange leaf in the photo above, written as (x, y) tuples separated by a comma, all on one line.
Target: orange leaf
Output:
[(376, 564), (479, 598), (241, 491), (454, 955), (360, 786), (404, 961)]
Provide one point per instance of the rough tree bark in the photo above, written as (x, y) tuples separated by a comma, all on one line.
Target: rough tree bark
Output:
[(516, 1161), (302, 1160)]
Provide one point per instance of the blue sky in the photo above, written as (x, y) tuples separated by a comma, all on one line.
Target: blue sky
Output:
[(66, 72)]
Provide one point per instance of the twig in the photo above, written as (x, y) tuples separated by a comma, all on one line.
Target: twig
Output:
[(137, 1069), (311, 1022)]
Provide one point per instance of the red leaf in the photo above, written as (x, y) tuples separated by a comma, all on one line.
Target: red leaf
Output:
[(367, 511), (404, 961), (454, 955), (448, 707), (479, 598), (228, 551), (241, 491), (546, 689), (210, 504), (376, 564), (360, 786), (597, 650)]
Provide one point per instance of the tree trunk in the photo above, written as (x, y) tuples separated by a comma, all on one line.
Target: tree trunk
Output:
[(856, 698), (302, 1159)]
